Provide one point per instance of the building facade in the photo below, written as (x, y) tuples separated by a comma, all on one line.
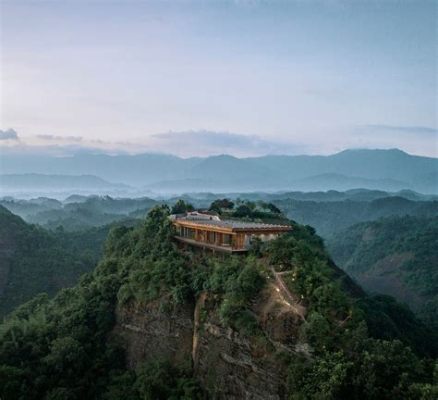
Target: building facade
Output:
[(208, 231)]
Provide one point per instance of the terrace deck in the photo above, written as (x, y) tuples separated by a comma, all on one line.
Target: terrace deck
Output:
[(227, 236)]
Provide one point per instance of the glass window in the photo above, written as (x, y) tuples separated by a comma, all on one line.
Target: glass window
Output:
[(226, 239)]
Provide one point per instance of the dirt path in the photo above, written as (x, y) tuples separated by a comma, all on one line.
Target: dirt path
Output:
[(286, 294)]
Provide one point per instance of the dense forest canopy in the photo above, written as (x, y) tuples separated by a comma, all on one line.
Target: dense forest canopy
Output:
[(328, 212), (34, 260), (62, 348), (396, 256), (330, 217)]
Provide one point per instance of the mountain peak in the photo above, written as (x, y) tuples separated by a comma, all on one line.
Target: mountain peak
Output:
[(376, 151)]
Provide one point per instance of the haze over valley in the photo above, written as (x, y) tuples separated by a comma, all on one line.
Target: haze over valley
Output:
[(148, 174)]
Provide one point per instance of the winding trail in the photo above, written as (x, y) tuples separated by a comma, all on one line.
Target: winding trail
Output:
[(286, 294)]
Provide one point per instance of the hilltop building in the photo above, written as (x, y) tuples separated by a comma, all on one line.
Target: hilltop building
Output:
[(210, 232)]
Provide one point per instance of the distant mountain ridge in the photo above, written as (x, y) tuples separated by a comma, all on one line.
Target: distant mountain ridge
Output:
[(371, 169), (42, 185), (33, 180)]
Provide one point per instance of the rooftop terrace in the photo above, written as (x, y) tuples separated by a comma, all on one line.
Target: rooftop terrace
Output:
[(233, 224)]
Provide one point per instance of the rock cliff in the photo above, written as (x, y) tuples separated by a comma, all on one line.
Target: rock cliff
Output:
[(228, 364)]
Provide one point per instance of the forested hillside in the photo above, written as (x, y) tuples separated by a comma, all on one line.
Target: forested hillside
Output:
[(78, 212), (395, 256), (155, 322), (328, 212), (33, 260), (330, 217)]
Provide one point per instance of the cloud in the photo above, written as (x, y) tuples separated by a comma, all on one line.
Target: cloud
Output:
[(60, 138), (203, 142), (54, 145), (9, 134), (65, 150), (414, 130), (183, 144)]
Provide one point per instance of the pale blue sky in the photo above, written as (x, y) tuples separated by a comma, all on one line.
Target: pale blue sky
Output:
[(292, 76)]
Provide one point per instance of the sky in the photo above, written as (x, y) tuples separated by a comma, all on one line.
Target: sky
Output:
[(210, 77)]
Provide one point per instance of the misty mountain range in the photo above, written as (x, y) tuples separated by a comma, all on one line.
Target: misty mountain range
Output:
[(39, 181), (390, 170)]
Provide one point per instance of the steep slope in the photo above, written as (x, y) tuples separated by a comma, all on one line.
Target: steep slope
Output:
[(157, 322), (33, 260), (394, 256)]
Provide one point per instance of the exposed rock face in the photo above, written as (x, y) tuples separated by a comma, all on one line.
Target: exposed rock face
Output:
[(228, 364), (151, 332), (234, 366)]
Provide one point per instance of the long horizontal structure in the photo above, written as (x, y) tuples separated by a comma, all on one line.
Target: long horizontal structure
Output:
[(230, 236)]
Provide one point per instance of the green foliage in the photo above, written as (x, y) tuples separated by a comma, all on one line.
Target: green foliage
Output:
[(62, 347), (181, 207), (154, 381), (248, 210), (220, 205), (375, 370), (330, 310), (347, 361), (257, 210), (34, 260), (58, 347), (238, 281), (401, 251), (387, 319), (332, 212), (162, 269)]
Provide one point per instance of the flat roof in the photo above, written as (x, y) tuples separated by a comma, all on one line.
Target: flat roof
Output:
[(232, 224)]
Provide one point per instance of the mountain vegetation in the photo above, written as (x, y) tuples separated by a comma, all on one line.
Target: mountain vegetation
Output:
[(33, 260), (328, 212), (78, 212), (68, 347), (397, 256), (330, 217), (248, 210)]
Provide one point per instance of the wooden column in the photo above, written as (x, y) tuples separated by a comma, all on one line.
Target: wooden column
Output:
[(239, 241)]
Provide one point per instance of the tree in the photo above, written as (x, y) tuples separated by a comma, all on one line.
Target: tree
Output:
[(181, 207), (243, 211), (221, 204), (273, 208)]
